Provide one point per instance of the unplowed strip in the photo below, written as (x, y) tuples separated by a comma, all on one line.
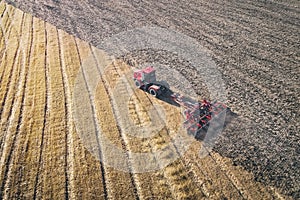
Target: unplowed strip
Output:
[(124, 188), (83, 168), (104, 105), (2, 30), (11, 57), (29, 140), (69, 144), (82, 53), (9, 93), (14, 176), (54, 141), (38, 186), (10, 118), (7, 26)]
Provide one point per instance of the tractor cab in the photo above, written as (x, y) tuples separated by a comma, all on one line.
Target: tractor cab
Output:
[(144, 76)]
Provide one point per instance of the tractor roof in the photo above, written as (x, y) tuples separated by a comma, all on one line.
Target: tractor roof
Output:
[(148, 70)]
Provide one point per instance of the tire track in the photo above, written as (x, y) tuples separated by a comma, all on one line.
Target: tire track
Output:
[(122, 141), (16, 113), (28, 116), (108, 80), (5, 80), (22, 148), (54, 145), (81, 162), (45, 116), (10, 95), (9, 15), (9, 140), (103, 173), (3, 41), (6, 33), (69, 161)]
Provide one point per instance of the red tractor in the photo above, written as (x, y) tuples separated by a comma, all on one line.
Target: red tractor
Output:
[(145, 79)]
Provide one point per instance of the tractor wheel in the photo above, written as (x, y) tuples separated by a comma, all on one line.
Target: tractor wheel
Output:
[(153, 92), (137, 83)]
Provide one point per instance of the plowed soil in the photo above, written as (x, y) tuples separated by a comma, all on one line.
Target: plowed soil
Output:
[(255, 45)]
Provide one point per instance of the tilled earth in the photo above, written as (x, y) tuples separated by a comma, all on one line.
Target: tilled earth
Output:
[(255, 45)]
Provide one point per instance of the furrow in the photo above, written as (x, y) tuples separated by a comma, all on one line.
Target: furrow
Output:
[(54, 143), (69, 143), (16, 115), (220, 23), (17, 169), (80, 162), (9, 95), (26, 165), (99, 150), (6, 27), (9, 66), (38, 187), (111, 126), (8, 118), (264, 107), (3, 40)]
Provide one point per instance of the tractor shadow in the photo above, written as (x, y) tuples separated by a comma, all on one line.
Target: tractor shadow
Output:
[(201, 133), (166, 96)]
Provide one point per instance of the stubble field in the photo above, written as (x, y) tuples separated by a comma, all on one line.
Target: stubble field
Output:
[(255, 47)]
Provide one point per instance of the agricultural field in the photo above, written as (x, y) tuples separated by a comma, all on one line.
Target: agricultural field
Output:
[(48, 51)]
